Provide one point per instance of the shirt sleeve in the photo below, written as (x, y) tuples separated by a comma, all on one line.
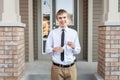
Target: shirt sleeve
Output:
[(49, 44), (77, 48)]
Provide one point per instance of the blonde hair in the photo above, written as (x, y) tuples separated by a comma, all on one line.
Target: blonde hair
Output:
[(62, 11)]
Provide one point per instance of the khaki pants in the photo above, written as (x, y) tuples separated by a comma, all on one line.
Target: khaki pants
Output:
[(60, 73)]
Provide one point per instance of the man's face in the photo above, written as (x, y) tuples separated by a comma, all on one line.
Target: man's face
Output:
[(62, 20)]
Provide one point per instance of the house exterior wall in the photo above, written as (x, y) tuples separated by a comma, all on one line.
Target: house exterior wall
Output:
[(12, 44), (24, 19), (97, 18), (97, 12), (119, 5), (25, 13), (1, 9), (85, 29), (11, 52), (35, 28), (109, 44), (109, 52)]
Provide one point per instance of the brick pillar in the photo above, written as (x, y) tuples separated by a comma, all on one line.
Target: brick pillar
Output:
[(11, 52), (109, 52)]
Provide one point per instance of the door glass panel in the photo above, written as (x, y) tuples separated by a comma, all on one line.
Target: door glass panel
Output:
[(46, 16), (68, 5)]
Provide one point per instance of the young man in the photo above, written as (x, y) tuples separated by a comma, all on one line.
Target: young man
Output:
[(62, 43)]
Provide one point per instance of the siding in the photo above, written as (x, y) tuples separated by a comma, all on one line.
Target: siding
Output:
[(24, 18), (85, 29), (119, 5), (97, 12), (35, 29)]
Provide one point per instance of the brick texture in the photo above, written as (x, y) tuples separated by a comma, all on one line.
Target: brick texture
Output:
[(11, 53), (109, 52)]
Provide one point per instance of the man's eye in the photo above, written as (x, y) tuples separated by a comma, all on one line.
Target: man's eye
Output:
[(60, 17), (64, 17)]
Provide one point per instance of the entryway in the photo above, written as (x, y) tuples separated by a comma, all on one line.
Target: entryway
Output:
[(47, 22)]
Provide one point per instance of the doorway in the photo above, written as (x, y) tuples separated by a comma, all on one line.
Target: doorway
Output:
[(48, 22)]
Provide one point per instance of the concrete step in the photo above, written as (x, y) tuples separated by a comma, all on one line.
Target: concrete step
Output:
[(40, 70), (47, 77), (97, 77)]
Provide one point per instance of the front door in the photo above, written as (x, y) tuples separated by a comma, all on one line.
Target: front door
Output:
[(48, 13)]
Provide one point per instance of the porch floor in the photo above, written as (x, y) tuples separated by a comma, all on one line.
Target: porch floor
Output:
[(40, 70)]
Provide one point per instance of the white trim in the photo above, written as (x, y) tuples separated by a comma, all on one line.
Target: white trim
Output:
[(10, 11), (111, 15), (1, 9), (39, 3), (30, 25), (78, 20), (41, 19), (112, 23), (90, 29), (44, 39), (80, 25), (12, 24)]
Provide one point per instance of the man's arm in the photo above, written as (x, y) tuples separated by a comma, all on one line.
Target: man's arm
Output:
[(75, 45), (49, 44)]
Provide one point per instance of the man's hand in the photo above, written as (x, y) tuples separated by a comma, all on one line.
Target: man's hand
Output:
[(58, 49), (71, 44)]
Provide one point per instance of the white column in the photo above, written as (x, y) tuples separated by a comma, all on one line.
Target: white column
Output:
[(11, 11), (90, 30), (111, 16), (1, 9), (30, 24)]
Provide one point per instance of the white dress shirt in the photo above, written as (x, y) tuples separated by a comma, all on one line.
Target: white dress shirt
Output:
[(54, 40)]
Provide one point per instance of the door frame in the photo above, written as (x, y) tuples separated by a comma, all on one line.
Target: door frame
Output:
[(79, 29)]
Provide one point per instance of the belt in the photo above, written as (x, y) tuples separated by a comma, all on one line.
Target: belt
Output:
[(64, 66)]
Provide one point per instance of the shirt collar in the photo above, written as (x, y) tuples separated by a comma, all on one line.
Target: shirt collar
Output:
[(66, 28)]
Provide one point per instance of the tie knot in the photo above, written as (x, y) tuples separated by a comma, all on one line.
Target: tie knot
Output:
[(63, 30)]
